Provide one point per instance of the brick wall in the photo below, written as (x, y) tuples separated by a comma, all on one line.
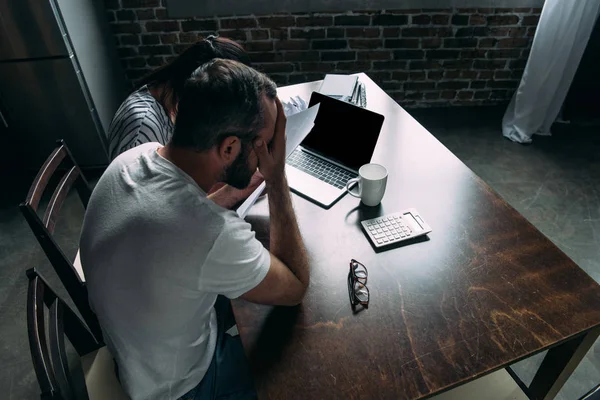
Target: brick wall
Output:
[(423, 57)]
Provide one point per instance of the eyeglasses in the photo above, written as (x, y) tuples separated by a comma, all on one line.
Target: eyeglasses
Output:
[(357, 284)]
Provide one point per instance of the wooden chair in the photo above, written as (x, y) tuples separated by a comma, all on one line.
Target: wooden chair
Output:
[(70, 273), (95, 378)]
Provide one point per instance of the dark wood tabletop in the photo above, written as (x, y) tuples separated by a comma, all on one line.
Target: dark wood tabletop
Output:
[(484, 290)]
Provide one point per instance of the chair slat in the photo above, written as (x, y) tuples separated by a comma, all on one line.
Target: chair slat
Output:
[(43, 177), (58, 198), (37, 338)]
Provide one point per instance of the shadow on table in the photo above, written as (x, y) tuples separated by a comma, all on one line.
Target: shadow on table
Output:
[(275, 334)]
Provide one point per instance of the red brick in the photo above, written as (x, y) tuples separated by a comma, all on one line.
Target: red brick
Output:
[(259, 34), (477, 19), (168, 38), (416, 76), (281, 34), (432, 95), (522, 10), (300, 44), (503, 20), (259, 46), (530, 20), (422, 19), (442, 54), (512, 43), (399, 75), (391, 32), (502, 75), (409, 54), (487, 42), (275, 67), (485, 10), (129, 27), (112, 4), (140, 3), (499, 94), (427, 32), (391, 20), (188, 37), (266, 57), (517, 32), (435, 75), (125, 15), (379, 76), (505, 84), (485, 74), (199, 25), (329, 44), (419, 85), (307, 33), (473, 53), (136, 62), (440, 19), (365, 43), (531, 31), (516, 74), (451, 74), (338, 55), (314, 21), (301, 56), (335, 33), (482, 94), (469, 32), (131, 40), (110, 16), (429, 64), (398, 96), (460, 43), (389, 64), (465, 94), (156, 50), (489, 64), (363, 32), (352, 20), (414, 95), (448, 94), (498, 31), (317, 66), (233, 34), (353, 66), (276, 22), (503, 10), (458, 64), (238, 23), (536, 10), (467, 10), (161, 13), (378, 55), (431, 43), (155, 61), (391, 86), (402, 43), (468, 74), (135, 74), (460, 20), (145, 14), (453, 85), (505, 53), (280, 79)]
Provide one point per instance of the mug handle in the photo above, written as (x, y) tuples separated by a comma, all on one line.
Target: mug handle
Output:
[(350, 182)]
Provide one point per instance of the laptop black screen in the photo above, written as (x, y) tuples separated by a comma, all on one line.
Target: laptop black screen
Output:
[(343, 132)]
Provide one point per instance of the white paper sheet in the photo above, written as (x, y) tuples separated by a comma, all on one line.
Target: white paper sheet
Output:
[(296, 129)]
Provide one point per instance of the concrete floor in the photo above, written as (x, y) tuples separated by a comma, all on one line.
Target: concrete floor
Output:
[(555, 183)]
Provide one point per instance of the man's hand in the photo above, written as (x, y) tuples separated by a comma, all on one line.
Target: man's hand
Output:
[(271, 159)]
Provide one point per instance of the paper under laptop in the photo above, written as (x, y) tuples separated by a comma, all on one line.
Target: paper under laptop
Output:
[(341, 87), (297, 128)]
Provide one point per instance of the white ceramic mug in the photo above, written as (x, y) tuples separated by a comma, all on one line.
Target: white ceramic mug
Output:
[(372, 179)]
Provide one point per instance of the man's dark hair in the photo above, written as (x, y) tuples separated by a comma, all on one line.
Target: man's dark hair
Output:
[(222, 98)]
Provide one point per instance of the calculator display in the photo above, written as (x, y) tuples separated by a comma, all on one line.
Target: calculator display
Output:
[(412, 221)]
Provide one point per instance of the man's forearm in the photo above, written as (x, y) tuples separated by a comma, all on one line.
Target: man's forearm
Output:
[(228, 196), (285, 238)]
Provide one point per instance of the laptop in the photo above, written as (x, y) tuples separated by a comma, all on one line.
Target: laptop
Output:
[(342, 140)]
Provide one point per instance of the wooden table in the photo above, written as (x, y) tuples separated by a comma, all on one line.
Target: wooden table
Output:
[(484, 291)]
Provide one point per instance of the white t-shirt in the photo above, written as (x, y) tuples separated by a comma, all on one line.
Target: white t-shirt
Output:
[(156, 252)]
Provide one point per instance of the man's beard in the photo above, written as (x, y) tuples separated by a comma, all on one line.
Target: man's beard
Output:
[(238, 174)]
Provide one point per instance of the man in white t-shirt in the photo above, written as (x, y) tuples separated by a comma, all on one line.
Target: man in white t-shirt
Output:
[(157, 252)]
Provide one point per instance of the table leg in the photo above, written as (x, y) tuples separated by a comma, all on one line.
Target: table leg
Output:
[(558, 364)]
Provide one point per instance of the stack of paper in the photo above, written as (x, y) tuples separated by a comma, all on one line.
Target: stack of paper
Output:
[(298, 126)]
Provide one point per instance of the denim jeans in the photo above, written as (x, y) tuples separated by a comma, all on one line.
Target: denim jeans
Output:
[(228, 376)]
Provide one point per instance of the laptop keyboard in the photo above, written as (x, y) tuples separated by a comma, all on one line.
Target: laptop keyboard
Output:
[(320, 169)]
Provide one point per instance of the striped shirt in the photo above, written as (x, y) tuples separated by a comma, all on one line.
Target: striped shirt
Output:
[(140, 119)]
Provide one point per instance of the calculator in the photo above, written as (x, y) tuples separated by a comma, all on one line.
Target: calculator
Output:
[(397, 227)]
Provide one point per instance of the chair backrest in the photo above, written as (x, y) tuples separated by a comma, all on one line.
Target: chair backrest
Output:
[(43, 228), (50, 362)]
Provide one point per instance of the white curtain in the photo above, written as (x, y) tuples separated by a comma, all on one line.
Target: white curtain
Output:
[(560, 40)]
